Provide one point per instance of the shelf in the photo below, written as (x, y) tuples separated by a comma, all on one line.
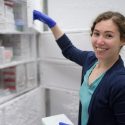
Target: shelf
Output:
[(9, 96), (17, 78), (32, 31), (19, 1), (17, 62)]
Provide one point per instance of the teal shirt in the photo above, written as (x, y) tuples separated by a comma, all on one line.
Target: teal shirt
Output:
[(86, 92)]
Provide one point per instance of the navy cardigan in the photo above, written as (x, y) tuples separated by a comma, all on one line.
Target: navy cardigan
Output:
[(107, 105)]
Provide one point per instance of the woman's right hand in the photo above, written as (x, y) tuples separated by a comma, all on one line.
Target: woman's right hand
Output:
[(37, 15), (57, 32)]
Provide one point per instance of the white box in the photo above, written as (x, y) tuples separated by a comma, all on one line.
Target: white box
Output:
[(9, 14), (2, 26), (6, 54), (56, 119), (1, 8), (20, 15), (2, 58), (31, 5), (20, 45), (31, 75)]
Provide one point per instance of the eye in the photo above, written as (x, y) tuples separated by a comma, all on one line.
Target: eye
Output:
[(108, 36), (96, 34)]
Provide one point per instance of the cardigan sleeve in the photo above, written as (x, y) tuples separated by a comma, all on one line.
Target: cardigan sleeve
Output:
[(70, 51)]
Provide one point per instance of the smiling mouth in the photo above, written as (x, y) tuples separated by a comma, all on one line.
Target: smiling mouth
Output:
[(100, 49)]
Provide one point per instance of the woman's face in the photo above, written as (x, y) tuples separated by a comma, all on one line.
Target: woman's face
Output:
[(106, 40)]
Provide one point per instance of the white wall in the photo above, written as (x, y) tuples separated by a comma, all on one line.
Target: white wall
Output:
[(79, 14)]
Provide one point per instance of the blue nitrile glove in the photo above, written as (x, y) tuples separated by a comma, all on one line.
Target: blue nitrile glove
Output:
[(44, 18), (62, 123)]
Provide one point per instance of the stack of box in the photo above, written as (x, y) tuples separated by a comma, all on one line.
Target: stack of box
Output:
[(6, 54), (9, 15), (2, 24), (14, 78), (20, 45)]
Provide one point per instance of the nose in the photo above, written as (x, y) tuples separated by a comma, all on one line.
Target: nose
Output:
[(100, 40)]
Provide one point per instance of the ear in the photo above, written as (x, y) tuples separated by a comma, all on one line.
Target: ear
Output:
[(122, 42)]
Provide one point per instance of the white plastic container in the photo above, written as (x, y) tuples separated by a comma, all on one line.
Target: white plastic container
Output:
[(56, 119), (20, 14)]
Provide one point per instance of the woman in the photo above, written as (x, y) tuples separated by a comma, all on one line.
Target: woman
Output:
[(102, 93)]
